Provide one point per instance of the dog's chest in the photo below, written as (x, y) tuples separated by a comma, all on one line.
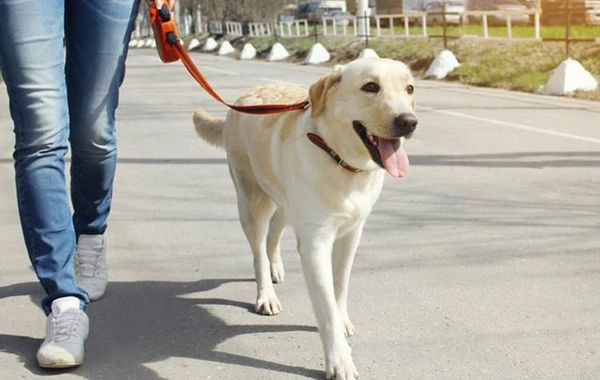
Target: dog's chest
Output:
[(343, 202), (356, 204)]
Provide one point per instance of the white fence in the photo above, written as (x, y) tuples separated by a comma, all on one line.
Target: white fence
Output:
[(508, 16), (233, 29), (215, 27), (385, 24), (296, 28), (333, 27), (405, 25), (260, 29), (411, 24)]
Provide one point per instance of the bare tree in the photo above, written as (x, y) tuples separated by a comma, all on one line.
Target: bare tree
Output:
[(236, 10)]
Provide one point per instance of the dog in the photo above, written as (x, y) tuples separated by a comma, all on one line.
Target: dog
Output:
[(320, 171)]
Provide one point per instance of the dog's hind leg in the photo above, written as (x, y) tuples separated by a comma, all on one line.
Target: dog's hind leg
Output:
[(255, 211), (344, 251), (276, 228)]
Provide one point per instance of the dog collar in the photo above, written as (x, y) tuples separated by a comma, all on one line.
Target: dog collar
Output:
[(318, 141)]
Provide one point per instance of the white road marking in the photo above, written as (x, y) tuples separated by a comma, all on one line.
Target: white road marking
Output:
[(513, 125)]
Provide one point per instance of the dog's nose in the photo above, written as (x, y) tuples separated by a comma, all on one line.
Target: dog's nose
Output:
[(405, 123)]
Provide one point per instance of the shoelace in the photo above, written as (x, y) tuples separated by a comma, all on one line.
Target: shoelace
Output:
[(65, 325), (87, 263)]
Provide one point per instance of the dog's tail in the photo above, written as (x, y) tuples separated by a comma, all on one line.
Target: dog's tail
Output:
[(209, 128)]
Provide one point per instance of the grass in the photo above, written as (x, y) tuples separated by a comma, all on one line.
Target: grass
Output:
[(518, 65), (518, 31)]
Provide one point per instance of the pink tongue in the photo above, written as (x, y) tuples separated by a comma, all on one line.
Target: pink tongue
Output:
[(394, 157)]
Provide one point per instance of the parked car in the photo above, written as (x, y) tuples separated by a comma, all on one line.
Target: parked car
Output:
[(517, 17), (313, 11), (286, 17), (340, 17), (454, 10)]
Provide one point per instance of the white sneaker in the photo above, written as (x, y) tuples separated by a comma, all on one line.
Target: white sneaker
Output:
[(91, 271), (67, 328)]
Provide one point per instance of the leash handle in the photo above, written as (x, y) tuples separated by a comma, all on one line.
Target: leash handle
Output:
[(165, 31), (170, 49)]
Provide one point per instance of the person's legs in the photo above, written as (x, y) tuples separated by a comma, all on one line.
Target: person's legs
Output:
[(97, 38), (32, 61)]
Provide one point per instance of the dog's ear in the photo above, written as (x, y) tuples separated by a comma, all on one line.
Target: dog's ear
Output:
[(318, 92), (337, 69)]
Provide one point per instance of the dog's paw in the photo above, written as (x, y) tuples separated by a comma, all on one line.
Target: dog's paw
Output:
[(347, 324), (277, 273), (342, 367), (349, 328), (268, 305)]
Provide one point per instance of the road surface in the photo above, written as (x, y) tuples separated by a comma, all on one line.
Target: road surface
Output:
[(483, 263)]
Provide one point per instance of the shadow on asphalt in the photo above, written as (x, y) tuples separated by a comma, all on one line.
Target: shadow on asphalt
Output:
[(511, 160), (486, 160), (149, 321), (154, 161)]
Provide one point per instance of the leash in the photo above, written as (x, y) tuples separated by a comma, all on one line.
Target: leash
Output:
[(170, 49)]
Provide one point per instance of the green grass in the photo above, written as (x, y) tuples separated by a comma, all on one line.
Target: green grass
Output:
[(518, 31)]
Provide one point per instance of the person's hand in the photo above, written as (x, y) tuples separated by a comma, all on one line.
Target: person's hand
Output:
[(158, 3)]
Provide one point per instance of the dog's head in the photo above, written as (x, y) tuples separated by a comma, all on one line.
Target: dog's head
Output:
[(365, 109)]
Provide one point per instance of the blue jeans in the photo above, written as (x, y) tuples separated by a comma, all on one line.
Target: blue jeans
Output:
[(63, 62)]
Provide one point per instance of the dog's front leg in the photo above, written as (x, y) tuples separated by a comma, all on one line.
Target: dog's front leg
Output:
[(315, 244), (344, 250)]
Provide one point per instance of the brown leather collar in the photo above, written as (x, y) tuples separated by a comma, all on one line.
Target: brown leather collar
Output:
[(318, 141)]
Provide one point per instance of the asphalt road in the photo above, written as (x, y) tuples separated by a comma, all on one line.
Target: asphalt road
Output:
[(484, 263)]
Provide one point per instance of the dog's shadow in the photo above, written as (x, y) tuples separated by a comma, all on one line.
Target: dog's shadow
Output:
[(150, 321)]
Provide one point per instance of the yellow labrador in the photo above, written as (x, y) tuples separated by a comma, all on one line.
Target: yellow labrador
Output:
[(320, 171)]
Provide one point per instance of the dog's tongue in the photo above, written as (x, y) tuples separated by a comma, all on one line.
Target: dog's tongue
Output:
[(394, 157)]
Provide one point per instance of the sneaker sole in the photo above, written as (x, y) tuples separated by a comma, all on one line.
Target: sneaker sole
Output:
[(60, 365), (95, 297)]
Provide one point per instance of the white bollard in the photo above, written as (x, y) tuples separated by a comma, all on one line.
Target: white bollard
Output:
[(248, 52), (278, 52), (568, 77), (226, 48), (443, 63), (317, 54), (210, 44)]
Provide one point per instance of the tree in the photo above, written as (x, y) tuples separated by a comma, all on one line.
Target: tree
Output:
[(236, 10)]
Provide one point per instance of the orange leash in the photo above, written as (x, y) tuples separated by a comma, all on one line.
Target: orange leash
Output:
[(170, 49)]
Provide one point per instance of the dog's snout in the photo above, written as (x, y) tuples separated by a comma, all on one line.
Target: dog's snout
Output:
[(405, 123)]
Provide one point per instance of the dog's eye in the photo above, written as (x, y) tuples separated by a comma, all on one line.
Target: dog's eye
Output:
[(371, 87), (410, 89)]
